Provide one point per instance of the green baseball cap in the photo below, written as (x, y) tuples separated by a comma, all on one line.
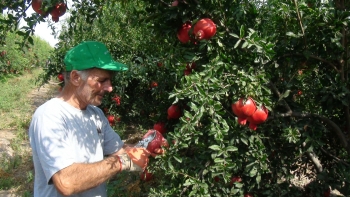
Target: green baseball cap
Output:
[(91, 54)]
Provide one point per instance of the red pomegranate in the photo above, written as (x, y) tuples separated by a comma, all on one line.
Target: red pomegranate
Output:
[(204, 29), (187, 72), (160, 126), (60, 77), (243, 109), (235, 179), (156, 142), (174, 112), (111, 120), (182, 33), (259, 116), (175, 3), (216, 179), (154, 84), (146, 176), (36, 5), (190, 66), (58, 10), (116, 98)]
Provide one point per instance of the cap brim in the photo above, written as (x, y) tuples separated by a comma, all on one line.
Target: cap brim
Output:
[(115, 66)]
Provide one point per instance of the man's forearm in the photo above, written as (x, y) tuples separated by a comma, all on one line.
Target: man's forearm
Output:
[(80, 177)]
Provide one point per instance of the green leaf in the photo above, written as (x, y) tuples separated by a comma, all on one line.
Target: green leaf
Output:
[(234, 35), (219, 43), (285, 94), (253, 172), (291, 34), (258, 178), (219, 160), (215, 147), (30, 40), (244, 141), (178, 159), (234, 191), (231, 148), (188, 182), (245, 44), (170, 165), (237, 43), (241, 31)]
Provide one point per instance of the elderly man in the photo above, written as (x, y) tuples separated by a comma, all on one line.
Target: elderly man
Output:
[(74, 148)]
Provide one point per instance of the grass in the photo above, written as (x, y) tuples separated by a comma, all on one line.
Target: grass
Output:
[(16, 109)]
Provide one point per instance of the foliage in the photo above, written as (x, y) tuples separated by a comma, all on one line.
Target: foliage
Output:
[(17, 60), (291, 56)]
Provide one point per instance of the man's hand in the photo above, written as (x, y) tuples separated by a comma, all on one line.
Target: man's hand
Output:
[(138, 157), (160, 151)]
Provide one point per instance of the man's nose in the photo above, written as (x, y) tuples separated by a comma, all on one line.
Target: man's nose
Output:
[(108, 87)]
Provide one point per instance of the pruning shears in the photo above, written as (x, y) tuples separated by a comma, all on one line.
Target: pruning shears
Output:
[(144, 143)]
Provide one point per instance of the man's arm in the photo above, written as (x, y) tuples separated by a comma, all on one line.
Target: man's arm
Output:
[(80, 177)]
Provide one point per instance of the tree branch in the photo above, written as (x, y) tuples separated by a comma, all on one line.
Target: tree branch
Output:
[(275, 90), (314, 57), (334, 127), (312, 156), (299, 18), (334, 157)]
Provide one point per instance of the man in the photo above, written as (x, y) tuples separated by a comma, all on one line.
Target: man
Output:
[(74, 148)]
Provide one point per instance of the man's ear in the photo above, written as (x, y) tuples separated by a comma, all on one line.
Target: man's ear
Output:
[(75, 78)]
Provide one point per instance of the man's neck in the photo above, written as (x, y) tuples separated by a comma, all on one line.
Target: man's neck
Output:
[(68, 95)]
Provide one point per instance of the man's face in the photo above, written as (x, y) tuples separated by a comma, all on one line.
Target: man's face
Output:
[(97, 84)]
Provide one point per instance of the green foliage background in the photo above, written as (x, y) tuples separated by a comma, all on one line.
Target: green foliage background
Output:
[(268, 50)]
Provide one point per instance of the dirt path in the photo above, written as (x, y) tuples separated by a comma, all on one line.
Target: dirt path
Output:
[(37, 97)]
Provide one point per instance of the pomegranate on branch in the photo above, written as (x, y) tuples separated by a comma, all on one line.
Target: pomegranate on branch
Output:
[(259, 116), (58, 10), (182, 33), (243, 108), (204, 29)]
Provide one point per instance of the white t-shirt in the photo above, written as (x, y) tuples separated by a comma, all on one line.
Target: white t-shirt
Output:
[(61, 135)]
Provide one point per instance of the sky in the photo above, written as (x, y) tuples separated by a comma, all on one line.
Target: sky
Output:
[(43, 31)]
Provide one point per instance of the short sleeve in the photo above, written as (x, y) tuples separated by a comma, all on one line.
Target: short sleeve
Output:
[(112, 141)]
